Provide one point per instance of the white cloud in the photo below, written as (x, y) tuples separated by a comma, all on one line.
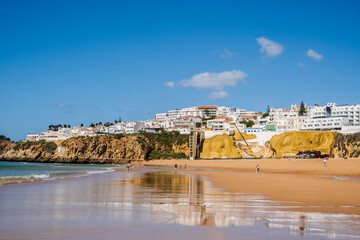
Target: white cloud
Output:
[(270, 47), (63, 105), (218, 94), (314, 55), (170, 84), (215, 81), (227, 53)]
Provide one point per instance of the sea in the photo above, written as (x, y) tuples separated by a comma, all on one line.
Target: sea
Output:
[(11, 172)]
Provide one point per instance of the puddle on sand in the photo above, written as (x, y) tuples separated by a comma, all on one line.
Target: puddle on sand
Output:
[(116, 204)]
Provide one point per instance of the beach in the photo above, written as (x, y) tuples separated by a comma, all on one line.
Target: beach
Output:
[(159, 202), (306, 183)]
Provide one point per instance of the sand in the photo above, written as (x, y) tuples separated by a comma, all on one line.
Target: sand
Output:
[(304, 183)]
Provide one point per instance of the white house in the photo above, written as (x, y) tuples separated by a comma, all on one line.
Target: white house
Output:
[(161, 117), (32, 137), (133, 127)]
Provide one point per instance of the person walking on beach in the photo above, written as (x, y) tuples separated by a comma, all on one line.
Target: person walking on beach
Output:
[(257, 168), (175, 165), (325, 162)]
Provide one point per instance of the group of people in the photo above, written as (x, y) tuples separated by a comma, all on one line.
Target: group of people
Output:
[(176, 166)]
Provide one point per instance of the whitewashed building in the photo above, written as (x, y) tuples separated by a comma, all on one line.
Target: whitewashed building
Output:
[(32, 137), (134, 127), (322, 124), (333, 110)]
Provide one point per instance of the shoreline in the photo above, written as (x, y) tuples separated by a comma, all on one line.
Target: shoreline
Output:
[(314, 190), (306, 185)]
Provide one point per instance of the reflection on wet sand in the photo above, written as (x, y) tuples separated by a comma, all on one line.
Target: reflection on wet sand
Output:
[(114, 202), (197, 203)]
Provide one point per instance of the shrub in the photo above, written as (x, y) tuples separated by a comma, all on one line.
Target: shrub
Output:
[(50, 146), (158, 154), (118, 136)]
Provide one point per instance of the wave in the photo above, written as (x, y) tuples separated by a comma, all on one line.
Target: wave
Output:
[(24, 177), (100, 171)]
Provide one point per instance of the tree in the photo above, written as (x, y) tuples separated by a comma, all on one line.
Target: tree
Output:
[(248, 123), (198, 124), (302, 109), (2, 137), (100, 123), (69, 126), (81, 125), (268, 109), (92, 125), (265, 115), (115, 121)]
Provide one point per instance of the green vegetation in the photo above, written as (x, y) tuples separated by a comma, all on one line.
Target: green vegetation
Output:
[(4, 143), (47, 146), (2, 137), (265, 115), (165, 140), (248, 123), (198, 124), (23, 145), (50, 147), (118, 136), (302, 110), (209, 118), (158, 154)]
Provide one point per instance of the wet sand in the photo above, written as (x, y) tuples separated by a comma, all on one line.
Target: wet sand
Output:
[(158, 203), (305, 183)]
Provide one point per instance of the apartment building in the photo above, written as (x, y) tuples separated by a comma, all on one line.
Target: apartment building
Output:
[(323, 124), (333, 110), (133, 127), (207, 111)]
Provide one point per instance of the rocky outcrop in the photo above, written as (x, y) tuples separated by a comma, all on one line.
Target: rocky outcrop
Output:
[(293, 142), (289, 143), (5, 145), (99, 149), (269, 151), (104, 149), (221, 146), (347, 145)]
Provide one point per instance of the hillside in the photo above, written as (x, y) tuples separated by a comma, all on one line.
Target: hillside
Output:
[(103, 149), (5, 144)]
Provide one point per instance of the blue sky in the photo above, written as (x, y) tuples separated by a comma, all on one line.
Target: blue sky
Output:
[(73, 62)]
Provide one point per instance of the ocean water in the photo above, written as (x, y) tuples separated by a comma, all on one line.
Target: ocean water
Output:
[(20, 171)]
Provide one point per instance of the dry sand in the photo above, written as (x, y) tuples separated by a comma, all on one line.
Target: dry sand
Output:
[(299, 182)]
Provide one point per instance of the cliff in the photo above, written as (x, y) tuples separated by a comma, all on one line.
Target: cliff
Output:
[(347, 145), (293, 142), (102, 149), (5, 144), (220, 146), (145, 146), (340, 145)]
